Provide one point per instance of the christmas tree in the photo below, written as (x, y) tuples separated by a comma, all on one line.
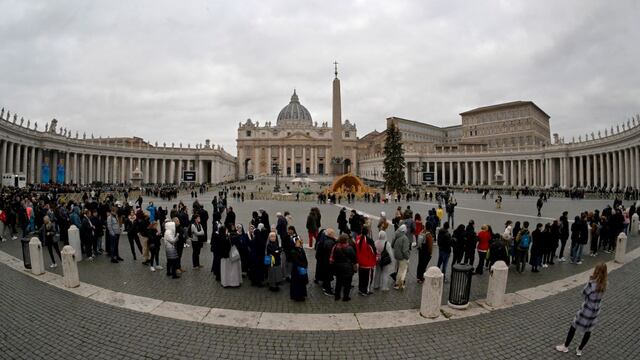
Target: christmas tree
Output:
[(394, 160)]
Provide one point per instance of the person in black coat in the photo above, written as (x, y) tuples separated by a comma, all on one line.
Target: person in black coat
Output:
[(470, 244), (498, 250), (343, 260), (218, 243), (537, 248), (299, 272), (342, 221), (323, 255), (459, 240), (258, 250)]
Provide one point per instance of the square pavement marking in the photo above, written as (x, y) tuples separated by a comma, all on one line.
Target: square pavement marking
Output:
[(236, 318), (181, 311), (127, 301), (308, 322), (389, 319), (84, 290)]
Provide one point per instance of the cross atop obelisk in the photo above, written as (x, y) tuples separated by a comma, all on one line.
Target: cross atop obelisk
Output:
[(336, 65)]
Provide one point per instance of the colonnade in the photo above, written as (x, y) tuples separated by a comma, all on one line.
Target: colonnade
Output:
[(80, 167)]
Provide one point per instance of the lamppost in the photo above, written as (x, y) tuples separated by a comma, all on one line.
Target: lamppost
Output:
[(276, 170)]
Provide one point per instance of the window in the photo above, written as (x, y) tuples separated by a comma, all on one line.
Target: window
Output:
[(248, 133), (346, 134)]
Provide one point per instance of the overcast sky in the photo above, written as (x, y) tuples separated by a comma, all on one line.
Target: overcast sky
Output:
[(185, 71)]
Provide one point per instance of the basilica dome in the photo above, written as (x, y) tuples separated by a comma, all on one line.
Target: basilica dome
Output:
[(294, 113)]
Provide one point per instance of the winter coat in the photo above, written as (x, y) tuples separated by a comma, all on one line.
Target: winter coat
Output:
[(587, 316), (365, 252), (401, 245), (170, 239), (343, 258)]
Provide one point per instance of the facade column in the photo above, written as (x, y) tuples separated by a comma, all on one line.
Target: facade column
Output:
[(435, 172), (172, 171), (526, 173), (91, 173), (54, 166), (474, 177), (304, 160), (3, 157), (18, 159), (32, 166), (83, 173), (67, 168), (574, 172), (609, 165), (580, 171), (614, 168), (459, 179), (534, 164), (212, 171), (588, 165), (98, 168), (636, 165), (163, 171), (25, 162), (601, 169), (147, 174), (482, 178), (466, 173), (107, 173), (627, 167), (10, 168)]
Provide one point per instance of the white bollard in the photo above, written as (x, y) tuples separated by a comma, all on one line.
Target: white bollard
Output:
[(74, 241), (497, 284), (621, 248), (635, 224), (70, 267), (37, 257), (432, 293)]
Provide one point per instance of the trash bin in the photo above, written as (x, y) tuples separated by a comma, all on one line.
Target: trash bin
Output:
[(460, 289), (26, 257)]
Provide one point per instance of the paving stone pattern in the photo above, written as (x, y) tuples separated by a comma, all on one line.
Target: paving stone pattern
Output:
[(197, 287), (43, 322)]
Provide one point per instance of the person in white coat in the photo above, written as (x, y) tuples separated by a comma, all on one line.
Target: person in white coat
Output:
[(170, 239), (382, 276)]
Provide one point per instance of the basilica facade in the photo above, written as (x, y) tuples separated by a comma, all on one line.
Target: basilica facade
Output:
[(296, 145)]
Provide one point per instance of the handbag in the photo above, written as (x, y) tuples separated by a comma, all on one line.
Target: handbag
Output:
[(234, 254), (267, 260), (302, 271)]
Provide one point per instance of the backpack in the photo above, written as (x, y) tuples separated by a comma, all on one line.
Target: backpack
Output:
[(385, 258), (525, 240)]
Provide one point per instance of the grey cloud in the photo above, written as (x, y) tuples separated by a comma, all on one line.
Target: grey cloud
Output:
[(185, 71)]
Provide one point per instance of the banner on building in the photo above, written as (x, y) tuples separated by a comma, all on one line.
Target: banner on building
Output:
[(46, 171), (60, 172)]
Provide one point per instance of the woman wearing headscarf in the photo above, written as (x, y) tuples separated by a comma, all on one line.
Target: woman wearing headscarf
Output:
[(274, 276), (244, 246), (385, 263), (299, 271), (230, 266), (258, 245)]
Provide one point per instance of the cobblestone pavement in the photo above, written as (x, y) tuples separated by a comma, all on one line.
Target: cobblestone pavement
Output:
[(197, 287), (43, 322)]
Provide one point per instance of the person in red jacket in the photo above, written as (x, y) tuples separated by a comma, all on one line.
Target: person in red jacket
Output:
[(417, 219), (484, 237), (366, 256)]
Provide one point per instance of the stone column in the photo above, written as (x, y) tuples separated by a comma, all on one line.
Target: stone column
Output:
[(54, 166), (70, 267), (614, 167), (33, 164), (18, 159), (98, 168), (10, 168), (147, 174), (304, 160), (608, 158), (36, 255), (534, 164), (635, 224), (107, 167), (466, 173), (163, 173), (459, 173), (482, 174), (636, 165), (172, 171), (3, 157), (574, 172), (67, 167), (25, 162), (601, 169), (432, 293), (497, 284), (627, 167), (83, 174), (114, 170), (451, 179), (91, 174), (588, 165), (474, 174)]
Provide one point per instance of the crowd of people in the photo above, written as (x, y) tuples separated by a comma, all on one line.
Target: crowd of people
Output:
[(271, 253)]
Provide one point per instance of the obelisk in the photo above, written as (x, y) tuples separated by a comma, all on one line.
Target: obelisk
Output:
[(337, 148)]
